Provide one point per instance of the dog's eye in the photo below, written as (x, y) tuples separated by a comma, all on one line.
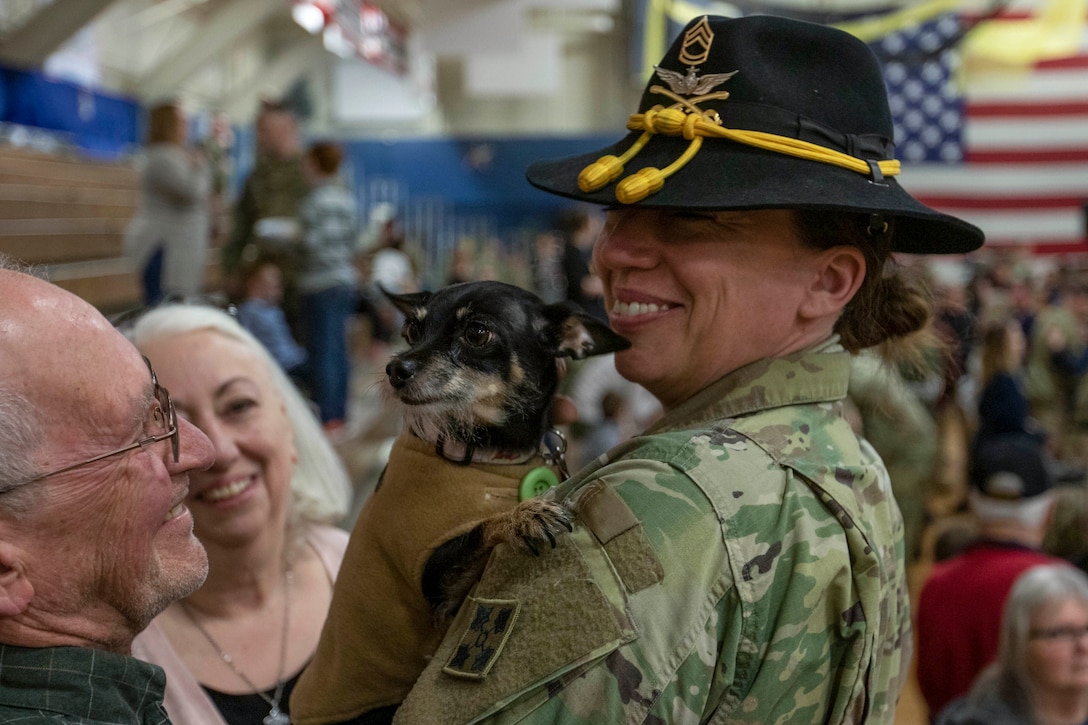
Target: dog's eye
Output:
[(412, 331), (477, 335)]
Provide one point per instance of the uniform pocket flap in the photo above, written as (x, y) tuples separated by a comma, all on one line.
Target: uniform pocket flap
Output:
[(529, 621)]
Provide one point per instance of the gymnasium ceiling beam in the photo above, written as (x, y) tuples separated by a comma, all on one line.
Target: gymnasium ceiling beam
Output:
[(29, 45), (229, 23)]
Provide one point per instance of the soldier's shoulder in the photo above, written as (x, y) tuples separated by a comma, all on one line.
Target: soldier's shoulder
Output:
[(683, 453)]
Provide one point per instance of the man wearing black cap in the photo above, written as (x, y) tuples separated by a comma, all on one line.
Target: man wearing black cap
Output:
[(741, 561), (960, 608)]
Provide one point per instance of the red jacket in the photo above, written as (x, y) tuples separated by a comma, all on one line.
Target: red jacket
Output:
[(959, 616)]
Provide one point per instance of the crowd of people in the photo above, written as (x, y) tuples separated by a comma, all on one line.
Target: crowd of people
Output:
[(754, 479), (1013, 415)]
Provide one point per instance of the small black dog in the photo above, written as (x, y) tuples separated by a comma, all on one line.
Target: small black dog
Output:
[(475, 387), (480, 372), (481, 367)]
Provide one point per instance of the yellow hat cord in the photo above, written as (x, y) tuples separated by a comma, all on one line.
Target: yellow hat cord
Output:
[(685, 118)]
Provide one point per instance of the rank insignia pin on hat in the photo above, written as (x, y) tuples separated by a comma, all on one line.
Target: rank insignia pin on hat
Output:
[(693, 52), (761, 112)]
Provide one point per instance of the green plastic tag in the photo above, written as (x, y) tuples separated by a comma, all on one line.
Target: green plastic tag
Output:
[(536, 482)]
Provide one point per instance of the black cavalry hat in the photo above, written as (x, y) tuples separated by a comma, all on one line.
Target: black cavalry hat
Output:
[(761, 112)]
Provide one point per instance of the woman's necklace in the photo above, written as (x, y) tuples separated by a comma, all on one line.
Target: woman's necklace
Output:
[(275, 716)]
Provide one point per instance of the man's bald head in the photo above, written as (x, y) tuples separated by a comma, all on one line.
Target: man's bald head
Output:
[(44, 330), (54, 350), (32, 307)]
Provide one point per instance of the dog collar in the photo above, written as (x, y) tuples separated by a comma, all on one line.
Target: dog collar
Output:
[(553, 448), (464, 454)]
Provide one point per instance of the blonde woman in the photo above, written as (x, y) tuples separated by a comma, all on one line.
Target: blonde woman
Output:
[(264, 511)]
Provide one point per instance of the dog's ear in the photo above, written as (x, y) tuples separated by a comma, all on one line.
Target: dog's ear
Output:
[(577, 334), (407, 303)]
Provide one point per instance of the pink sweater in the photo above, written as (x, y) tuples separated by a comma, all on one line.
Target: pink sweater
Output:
[(186, 701)]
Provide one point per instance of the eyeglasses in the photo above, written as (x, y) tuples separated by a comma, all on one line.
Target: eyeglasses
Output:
[(1069, 635), (163, 417)]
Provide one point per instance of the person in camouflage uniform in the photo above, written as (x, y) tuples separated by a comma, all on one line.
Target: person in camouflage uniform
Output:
[(274, 190), (1054, 370), (903, 431), (741, 561)]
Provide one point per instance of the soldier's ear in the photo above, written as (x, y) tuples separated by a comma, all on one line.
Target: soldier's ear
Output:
[(836, 277)]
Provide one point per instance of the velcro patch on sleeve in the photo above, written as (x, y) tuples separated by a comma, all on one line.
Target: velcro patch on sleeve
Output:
[(545, 642), (604, 512), (490, 623), (611, 520), (635, 560)]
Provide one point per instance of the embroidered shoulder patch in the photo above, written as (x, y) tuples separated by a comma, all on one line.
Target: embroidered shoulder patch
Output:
[(490, 623)]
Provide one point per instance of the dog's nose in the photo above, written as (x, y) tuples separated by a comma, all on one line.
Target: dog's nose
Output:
[(400, 372)]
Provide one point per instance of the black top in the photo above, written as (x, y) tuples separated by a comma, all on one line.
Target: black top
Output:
[(251, 708)]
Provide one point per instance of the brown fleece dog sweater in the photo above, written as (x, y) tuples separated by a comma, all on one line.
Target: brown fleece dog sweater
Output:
[(380, 632)]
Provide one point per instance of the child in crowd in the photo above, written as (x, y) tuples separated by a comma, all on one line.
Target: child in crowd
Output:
[(260, 313)]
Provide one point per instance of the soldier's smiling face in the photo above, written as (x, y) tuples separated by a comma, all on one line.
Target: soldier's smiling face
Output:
[(701, 294)]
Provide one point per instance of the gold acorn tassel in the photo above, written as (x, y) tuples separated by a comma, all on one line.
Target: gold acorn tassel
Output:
[(607, 169), (673, 122)]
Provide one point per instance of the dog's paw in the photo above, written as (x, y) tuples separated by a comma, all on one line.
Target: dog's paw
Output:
[(456, 565), (531, 524)]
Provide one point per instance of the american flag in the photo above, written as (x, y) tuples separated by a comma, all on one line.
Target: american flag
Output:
[(1002, 146)]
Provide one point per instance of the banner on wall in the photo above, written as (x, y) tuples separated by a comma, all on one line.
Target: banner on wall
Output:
[(997, 136), (101, 124)]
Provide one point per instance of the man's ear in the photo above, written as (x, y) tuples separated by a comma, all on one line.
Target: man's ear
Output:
[(838, 275), (16, 591)]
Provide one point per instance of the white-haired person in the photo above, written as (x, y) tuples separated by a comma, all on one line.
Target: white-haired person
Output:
[(1041, 673), (959, 612), (265, 511)]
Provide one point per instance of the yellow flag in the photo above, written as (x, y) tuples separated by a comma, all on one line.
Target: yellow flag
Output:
[(1055, 31)]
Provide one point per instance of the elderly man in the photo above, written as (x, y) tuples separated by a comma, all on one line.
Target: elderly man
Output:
[(94, 537)]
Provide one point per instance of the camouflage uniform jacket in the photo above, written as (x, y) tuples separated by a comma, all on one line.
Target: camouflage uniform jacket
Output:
[(275, 188), (1045, 384), (741, 562)]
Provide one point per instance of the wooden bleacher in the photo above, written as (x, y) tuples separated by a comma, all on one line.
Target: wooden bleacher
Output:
[(68, 214)]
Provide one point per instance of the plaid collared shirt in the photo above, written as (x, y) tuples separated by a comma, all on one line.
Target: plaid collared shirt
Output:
[(79, 686)]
